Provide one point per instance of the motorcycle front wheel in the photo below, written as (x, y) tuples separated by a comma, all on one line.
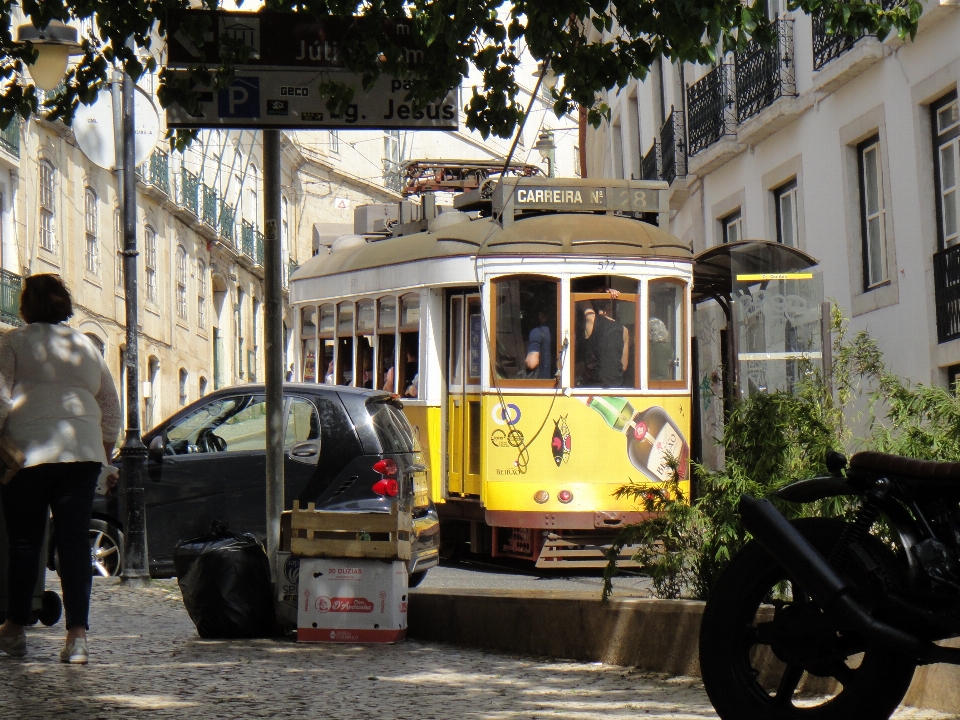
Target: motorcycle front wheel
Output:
[(767, 652)]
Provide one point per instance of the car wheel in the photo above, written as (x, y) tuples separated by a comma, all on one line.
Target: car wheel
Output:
[(106, 550), (416, 578)]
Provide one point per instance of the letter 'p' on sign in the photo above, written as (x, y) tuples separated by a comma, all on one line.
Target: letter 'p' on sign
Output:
[(241, 99)]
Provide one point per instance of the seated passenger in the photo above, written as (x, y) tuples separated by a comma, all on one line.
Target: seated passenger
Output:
[(540, 349)]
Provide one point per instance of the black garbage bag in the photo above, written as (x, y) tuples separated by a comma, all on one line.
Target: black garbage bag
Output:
[(225, 581)]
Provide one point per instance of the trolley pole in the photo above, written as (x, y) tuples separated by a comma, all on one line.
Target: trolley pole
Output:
[(273, 342), (133, 453)]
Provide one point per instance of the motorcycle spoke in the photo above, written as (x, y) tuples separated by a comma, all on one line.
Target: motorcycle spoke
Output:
[(788, 685)]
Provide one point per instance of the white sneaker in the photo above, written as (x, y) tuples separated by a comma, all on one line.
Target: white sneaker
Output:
[(14, 645), (75, 652)]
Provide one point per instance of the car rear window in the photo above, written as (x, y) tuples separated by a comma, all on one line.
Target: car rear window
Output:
[(391, 426)]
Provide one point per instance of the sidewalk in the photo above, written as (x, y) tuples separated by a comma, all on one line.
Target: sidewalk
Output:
[(148, 662)]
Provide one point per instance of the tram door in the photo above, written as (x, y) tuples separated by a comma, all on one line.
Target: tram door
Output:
[(465, 342)]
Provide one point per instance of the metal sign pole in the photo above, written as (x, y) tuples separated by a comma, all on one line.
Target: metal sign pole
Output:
[(273, 341), (133, 453)]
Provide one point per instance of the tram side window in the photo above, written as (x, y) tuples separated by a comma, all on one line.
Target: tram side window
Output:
[(308, 336), (345, 366), (525, 311), (665, 332), (605, 318), (326, 333), (410, 345)]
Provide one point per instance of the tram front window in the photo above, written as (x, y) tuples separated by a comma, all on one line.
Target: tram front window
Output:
[(605, 339), (665, 330), (525, 312), (387, 345)]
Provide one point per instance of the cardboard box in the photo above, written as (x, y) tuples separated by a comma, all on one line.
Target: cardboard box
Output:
[(351, 600), (287, 589)]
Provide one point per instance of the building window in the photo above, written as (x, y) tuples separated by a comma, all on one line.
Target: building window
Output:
[(181, 282), (201, 294), (183, 387), (946, 130), (254, 345), (872, 213), (335, 141), (202, 386), (238, 330), (97, 343), (90, 219), (576, 160), (118, 239), (788, 224), (732, 225), (150, 262), (48, 238)]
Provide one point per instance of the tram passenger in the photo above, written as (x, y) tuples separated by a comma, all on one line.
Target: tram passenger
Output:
[(661, 351), (603, 353), (389, 378), (539, 347), (412, 371)]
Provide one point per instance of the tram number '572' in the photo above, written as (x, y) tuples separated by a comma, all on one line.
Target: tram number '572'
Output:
[(606, 265)]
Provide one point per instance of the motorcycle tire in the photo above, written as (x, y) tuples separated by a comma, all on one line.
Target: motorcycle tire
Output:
[(747, 682)]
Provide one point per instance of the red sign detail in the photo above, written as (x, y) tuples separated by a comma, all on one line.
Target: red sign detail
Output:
[(640, 430)]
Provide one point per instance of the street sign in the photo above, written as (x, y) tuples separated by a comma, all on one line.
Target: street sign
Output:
[(274, 39), (94, 130), (292, 100)]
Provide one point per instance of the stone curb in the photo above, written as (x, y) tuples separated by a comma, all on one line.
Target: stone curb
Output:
[(654, 635)]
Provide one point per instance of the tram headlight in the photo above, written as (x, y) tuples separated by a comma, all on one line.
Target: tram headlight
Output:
[(541, 496), (565, 496)]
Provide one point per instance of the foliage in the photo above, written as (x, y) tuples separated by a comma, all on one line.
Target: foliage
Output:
[(772, 439), (593, 45)]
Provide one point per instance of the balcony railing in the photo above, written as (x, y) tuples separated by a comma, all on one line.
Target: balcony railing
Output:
[(189, 191), (258, 256), (225, 227), (673, 147), (827, 46), (763, 75), (247, 242), (946, 287), (209, 205), (711, 108), (10, 286), (650, 164), (10, 137), (160, 171)]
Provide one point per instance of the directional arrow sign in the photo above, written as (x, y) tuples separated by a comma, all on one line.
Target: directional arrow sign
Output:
[(273, 99)]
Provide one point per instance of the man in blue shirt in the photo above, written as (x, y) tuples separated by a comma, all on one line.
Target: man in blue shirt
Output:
[(540, 350)]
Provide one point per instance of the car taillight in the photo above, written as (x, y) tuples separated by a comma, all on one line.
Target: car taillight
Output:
[(386, 467), (386, 487)]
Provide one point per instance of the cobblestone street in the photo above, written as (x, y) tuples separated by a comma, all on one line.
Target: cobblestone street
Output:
[(147, 661)]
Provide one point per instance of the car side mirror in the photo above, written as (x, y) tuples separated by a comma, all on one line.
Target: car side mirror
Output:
[(155, 451)]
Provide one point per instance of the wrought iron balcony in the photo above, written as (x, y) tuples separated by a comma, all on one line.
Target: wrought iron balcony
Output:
[(650, 164), (258, 257), (225, 227), (711, 108), (246, 238), (827, 46), (10, 137), (209, 197), (160, 171), (673, 147), (10, 286), (946, 288), (189, 191), (763, 75)]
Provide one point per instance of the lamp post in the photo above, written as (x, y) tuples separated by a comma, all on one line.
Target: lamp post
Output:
[(55, 43)]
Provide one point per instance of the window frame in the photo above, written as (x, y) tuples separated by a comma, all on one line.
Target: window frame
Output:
[(181, 280), (684, 381), (731, 218), (940, 139), (47, 201), (201, 294), (792, 188), (91, 221), (527, 383), (872, 143), (150, 262), (634, 297)]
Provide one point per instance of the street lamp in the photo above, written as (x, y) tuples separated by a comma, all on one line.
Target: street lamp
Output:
[(549, 76), (55, 44), (548, 151)]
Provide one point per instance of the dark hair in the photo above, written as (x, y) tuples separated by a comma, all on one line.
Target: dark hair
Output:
[(45, 299)]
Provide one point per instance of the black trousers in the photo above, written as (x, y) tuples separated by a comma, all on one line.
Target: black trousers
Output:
[(67, 490)]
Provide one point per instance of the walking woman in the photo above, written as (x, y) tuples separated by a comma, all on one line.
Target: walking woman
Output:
[(59, 406)]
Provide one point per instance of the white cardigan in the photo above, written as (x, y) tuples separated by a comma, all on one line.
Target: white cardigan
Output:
[(58, 401)]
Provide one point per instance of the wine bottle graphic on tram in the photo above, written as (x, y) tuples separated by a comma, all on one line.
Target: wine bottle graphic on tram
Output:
[(652, 436)]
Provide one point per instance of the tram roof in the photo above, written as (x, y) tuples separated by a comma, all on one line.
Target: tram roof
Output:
[(556, 234)]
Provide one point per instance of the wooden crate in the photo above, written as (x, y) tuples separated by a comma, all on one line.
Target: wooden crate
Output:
[(318, 533)]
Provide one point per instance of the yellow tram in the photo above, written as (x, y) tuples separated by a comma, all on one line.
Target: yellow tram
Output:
[(539, 335)]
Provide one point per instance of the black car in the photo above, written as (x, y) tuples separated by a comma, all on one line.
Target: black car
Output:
[(208, 463)]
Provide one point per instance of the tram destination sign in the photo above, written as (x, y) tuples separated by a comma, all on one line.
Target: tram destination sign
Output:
[(292, 99), (580, 195)]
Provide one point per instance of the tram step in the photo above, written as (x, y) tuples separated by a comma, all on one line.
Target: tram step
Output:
[(582, 551), (318, 533)]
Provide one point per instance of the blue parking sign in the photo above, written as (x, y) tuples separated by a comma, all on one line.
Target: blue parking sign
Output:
[(241, 99)]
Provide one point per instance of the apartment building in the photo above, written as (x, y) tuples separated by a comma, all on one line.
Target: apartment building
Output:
[(844, 147)]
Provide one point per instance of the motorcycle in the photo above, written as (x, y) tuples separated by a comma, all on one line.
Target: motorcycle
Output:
[(825, 619)]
